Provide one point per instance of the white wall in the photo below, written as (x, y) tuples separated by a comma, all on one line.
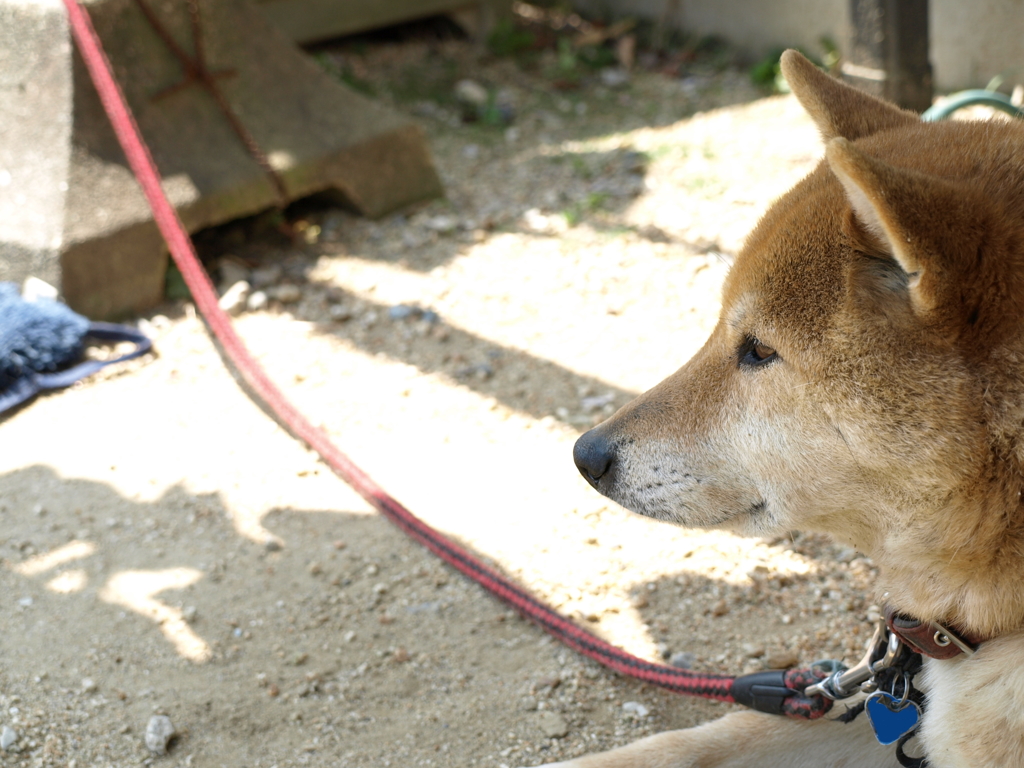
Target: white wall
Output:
[(971, 40)]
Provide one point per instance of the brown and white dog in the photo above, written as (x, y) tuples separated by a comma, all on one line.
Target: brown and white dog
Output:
[(865, 379)]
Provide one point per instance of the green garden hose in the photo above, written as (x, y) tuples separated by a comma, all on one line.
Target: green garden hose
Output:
[(969, 99)]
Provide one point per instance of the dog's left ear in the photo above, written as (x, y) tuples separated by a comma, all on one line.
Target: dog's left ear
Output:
[(928, 225), (836, 108)]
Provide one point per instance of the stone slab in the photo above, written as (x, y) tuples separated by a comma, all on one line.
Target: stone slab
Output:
[(70, 210)]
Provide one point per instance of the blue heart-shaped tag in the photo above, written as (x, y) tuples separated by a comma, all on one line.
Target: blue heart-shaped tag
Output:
[(890, 719)]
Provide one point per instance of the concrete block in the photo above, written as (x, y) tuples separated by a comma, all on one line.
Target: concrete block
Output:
[(35, 137), (70, 211)]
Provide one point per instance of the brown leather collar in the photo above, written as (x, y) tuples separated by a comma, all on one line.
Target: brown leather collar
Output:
[(929, 637)]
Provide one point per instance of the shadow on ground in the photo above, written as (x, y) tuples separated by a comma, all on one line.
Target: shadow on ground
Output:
[(347, 643)]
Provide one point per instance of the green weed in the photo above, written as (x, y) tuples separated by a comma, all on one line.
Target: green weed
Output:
[(174, 284), (767, 73), (344, 73), (509, 40), (594, 201)]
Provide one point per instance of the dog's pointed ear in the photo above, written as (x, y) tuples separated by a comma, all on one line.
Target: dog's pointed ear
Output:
[(839, 109), (924, 223)]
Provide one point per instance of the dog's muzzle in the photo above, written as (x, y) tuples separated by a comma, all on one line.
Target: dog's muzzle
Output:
[(594, 455)]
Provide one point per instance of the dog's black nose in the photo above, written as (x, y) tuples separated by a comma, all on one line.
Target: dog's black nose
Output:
[(594, 455)]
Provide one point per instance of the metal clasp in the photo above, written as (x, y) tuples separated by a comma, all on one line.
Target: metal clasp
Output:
[(883, 650)]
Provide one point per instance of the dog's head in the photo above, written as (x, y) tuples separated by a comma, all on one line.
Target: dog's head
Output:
[(851, 379)]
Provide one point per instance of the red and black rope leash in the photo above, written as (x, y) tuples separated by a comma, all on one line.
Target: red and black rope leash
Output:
[(780, 692)]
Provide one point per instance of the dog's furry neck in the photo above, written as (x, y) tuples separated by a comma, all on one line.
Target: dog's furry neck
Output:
[(962, 561)]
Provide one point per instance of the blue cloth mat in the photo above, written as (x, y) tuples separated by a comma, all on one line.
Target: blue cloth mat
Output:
[(40, 342)]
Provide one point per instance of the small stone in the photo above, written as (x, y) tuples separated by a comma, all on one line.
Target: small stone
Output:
[(634, 162), (690, 86), (403, 312), (159, 732), (25, 602), (232, 271), (339, 313), (528, 704), (614, 77), (189, 613), (286, 294), (720, 608), (34, 289), (753, 651), (89, 685), (591, 404), (257, 300), (781, 660), (552, 724), (266, 276), (235, 298), (273, 544), (7, 738), (311, 234), (481, 372), (349, 636), (535, 220), (683, 660), (413, 238), (442, 224), (635, 709), (547, 682), (471, 92), (640, 601)]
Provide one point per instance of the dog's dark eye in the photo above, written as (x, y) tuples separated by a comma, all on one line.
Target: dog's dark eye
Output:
[(753, 352)]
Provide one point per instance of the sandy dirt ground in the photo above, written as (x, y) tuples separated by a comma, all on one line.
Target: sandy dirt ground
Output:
[(167, 549)]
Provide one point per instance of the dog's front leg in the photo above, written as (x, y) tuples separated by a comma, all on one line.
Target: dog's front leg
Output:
[(751, 740)]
